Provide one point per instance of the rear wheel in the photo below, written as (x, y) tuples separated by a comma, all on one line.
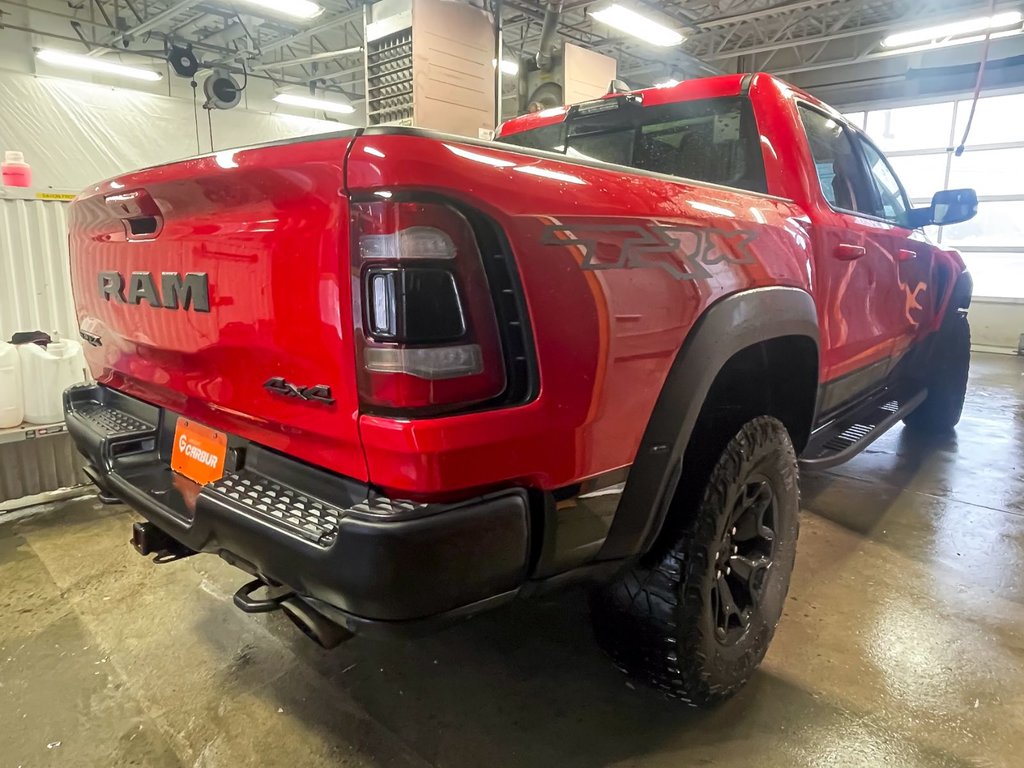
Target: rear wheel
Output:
[(946, 378), (697, 623)]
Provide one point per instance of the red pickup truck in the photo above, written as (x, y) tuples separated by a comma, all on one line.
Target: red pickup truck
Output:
[(400, 377)]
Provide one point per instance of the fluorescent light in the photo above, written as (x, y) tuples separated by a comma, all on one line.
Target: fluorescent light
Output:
[(507, 67), (299, 9), (74, 60), (932, 45), (666, 83), (945, 31), (632, 23), (309, 102)]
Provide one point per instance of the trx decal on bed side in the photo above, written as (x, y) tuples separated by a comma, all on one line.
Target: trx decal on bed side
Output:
[(682, 251)]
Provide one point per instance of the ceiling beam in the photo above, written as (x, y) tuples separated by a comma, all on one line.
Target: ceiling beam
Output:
[(151, 23), (333, 22)]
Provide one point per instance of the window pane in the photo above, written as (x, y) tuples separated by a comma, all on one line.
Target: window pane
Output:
[(998, 275), (997, 119), (612, 147), (711, 140), (890, 195), (840, 171), (997, 224), (550, 137), (856, 118), (989, 172), (922, 127), (922, 175)]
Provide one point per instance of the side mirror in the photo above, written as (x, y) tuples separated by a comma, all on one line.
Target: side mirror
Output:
[(950, 206)]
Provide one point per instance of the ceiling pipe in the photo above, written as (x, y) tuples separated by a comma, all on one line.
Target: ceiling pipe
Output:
[(547, 34), (308, 59), (340, 74), (229, 32)]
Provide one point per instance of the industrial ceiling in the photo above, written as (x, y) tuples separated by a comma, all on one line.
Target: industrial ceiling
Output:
[(787, 38)]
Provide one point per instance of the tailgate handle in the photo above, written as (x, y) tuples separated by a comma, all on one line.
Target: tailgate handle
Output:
[(143, 225), (138, 212)]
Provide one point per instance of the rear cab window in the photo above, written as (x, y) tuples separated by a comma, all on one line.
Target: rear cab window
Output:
[(710, 140)]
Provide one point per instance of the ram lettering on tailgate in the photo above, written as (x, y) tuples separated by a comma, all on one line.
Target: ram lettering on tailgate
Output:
[(188, 292)]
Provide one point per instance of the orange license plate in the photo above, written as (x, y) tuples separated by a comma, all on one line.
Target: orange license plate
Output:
[(198, 452)]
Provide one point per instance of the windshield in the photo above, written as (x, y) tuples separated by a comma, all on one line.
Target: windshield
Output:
[(712, 140)]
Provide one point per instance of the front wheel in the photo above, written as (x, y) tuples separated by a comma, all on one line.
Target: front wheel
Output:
[(698, 622), (946, 378)]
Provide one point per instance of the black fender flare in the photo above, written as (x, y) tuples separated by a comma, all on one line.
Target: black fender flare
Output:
[(963, 291), (728, 326)]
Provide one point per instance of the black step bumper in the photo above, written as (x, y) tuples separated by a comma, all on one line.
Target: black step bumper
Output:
[(365, 558)]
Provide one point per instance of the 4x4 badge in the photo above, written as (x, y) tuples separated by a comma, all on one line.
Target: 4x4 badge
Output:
[(318, 393)]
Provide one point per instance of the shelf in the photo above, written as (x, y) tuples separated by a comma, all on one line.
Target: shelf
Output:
[(30, 193), (31, 432)]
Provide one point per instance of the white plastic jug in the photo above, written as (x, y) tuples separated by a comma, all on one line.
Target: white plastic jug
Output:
[(11, 404), (45, 373)]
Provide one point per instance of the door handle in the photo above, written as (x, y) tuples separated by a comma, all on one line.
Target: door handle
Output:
[(906, 254), (849, 252)]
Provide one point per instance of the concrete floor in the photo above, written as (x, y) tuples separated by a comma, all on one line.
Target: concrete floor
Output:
[(902, 645)]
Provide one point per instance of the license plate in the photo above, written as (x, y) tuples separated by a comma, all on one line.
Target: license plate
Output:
[(198, 452)]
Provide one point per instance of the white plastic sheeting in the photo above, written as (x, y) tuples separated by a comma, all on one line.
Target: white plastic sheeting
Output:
[(35, 294), (74, 133), (35, 466), (35, 282)]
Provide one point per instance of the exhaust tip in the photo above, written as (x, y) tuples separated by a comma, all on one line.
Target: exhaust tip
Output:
[(314, 624)]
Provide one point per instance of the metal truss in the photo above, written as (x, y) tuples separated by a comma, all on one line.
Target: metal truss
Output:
[(798, 36), (226, 34), (781, 36)]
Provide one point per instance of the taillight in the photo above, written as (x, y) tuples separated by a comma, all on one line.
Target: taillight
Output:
[(426, 334)]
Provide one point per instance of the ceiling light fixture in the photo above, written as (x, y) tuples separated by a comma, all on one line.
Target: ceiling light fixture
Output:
[(632, 23), (935, 44), (942, 34), (298, 9), (311, 102), (76, 61)]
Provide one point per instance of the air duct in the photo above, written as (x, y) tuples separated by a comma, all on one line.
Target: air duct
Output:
[(547, 35)]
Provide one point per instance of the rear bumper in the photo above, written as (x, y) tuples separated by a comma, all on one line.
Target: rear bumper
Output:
[(327, 537)]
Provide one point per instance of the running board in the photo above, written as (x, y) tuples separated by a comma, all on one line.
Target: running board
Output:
[(847, 435)]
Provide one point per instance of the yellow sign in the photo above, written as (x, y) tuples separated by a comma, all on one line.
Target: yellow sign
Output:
[(54, 196)]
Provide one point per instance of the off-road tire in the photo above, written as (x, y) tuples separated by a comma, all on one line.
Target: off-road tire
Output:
[(659, 623), (946, 378)]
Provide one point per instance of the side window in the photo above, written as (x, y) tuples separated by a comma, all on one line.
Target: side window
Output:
[(714, 140), (892, 202), (840, 171)]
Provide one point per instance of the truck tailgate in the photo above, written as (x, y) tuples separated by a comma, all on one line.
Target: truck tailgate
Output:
[(218, 288)]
